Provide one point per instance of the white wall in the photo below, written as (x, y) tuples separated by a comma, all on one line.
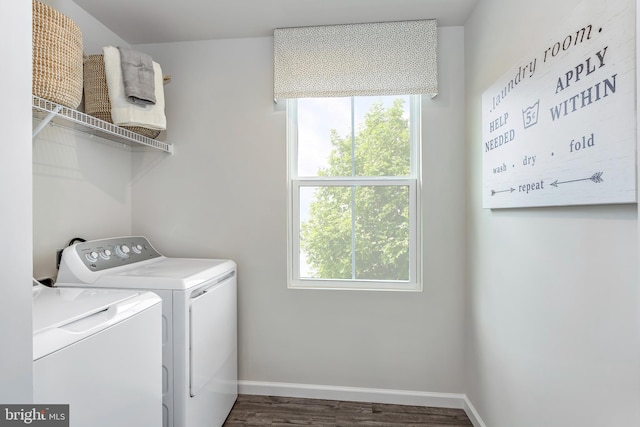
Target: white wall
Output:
[(552, 336), (223, 194), (81, 184), (94, 34), (15, 215), (81, 188)]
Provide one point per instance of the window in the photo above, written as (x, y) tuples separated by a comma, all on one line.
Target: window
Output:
[(354, 192)]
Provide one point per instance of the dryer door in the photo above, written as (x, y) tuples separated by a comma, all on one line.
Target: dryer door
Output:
[(212, 333)]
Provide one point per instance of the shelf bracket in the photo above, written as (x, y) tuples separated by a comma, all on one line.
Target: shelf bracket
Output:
[(46, 120)]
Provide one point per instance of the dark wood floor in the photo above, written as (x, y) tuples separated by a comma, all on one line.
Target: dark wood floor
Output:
[(284, 411)]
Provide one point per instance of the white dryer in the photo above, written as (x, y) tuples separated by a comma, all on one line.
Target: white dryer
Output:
[(98, 351), (199, 310)]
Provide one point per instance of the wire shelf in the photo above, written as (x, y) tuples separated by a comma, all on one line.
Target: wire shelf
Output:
[(48, 111)]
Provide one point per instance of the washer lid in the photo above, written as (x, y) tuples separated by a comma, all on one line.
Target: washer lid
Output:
[(62, 317), (53, 307), (166, 273)]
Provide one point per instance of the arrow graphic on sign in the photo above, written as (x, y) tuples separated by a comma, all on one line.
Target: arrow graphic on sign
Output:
[(494, 192), (596, 178)]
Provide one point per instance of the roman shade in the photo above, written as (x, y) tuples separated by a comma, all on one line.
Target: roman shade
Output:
[(387, 58)]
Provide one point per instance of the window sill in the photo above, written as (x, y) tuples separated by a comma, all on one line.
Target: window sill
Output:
[(355, 285)]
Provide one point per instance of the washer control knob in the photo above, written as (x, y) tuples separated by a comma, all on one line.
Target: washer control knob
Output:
[(92, 256), (137, 249), (105, 254), (122, 251)]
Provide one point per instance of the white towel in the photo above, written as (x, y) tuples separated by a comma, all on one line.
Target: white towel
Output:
[(124, 113)]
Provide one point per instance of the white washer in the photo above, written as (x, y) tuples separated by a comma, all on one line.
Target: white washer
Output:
[(199, 310), (99, 351)]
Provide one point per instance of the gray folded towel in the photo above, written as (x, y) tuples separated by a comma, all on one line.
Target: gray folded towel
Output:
[(137, 76)]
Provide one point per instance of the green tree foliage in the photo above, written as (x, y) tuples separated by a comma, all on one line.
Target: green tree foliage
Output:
[(379, 215)]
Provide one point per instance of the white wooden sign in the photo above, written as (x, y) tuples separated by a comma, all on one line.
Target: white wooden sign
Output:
[(560, 127)]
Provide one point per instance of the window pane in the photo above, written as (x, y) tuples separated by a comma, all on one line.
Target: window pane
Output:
[(325, 232), (382, 233), (322, 122), (354, 232), (380, 145)]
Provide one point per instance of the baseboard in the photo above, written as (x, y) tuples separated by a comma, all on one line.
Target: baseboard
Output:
[(472, 413), (358, 394)]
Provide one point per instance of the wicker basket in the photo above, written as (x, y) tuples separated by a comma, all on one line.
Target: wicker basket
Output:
[(96, 95), (57, 57)]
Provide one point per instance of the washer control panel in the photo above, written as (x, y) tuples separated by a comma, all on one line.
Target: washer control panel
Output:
[(99, 255)]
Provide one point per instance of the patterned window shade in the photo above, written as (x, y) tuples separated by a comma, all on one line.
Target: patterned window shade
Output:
[(388, 58)]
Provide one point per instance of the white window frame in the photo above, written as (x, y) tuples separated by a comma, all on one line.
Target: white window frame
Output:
[(413, 182)]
